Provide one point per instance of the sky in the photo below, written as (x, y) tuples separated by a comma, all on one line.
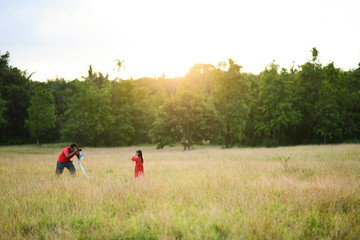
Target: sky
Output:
[(61, 38)]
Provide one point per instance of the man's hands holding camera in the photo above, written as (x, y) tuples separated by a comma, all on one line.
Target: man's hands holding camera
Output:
[(76, 150)]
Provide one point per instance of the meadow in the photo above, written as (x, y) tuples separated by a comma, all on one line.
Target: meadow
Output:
[(301, 192)]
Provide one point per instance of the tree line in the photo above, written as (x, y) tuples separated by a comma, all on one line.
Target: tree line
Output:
[(307, 104)]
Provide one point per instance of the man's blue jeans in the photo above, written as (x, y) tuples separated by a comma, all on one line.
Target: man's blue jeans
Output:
[(69, 165)]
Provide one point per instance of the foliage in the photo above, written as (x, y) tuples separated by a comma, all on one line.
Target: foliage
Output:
[(275, 103), (186, 118), (230, 97), (123, 131), (351, 101), (328, 107), (14, 90), (88, 120), (41, 113), (219, 104), (200, 79), (2, 110), (308, 82), (63, 92)]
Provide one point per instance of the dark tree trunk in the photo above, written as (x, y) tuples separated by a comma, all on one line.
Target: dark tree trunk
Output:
[(274, 135), (228, 137)]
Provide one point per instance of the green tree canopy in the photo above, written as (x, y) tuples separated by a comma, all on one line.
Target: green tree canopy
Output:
[(2, 110), (89, 120), (14, 90), (307, 104), (230, 95), (331, 104), (308, 82), (41, 113), (186, 118), (276, 109)]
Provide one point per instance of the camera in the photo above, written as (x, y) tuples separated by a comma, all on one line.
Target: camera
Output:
[(79, 149)]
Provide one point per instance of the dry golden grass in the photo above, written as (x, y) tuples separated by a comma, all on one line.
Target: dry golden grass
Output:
[(206, 193)]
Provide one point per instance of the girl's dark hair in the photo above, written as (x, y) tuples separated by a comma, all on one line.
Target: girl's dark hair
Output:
[(140, 155)]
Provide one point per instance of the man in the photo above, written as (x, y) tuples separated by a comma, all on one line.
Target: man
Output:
[(64, 159)]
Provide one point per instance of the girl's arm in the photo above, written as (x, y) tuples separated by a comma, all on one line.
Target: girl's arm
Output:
[(134, 158)]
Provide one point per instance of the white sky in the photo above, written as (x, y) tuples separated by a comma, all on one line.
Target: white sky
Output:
[(63, 37)]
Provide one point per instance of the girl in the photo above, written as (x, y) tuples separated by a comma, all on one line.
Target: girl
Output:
[(139, 168)]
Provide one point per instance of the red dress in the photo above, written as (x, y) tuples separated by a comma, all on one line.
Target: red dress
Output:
[(139, 168)]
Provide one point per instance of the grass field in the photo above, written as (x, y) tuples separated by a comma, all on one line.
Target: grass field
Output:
[(206, 193)]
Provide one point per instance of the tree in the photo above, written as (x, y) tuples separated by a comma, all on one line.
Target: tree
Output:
[(2, 110), (186, 118), (89, 119), (144, 113), (98, 78), (252, 80), (276, 109), (308, 82), (330, 107), (41, 113), (63, 91), (119, 64), (14, 90), (123, 131), (352, 102), (229, 94), (200, 79)]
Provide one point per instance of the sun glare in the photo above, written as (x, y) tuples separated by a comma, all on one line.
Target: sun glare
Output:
[(156, 37)]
